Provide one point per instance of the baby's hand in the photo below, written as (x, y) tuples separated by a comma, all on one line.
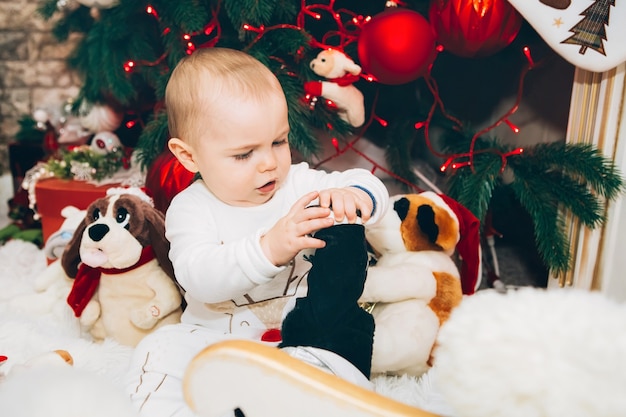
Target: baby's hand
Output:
[(348, 202), (291, 234)]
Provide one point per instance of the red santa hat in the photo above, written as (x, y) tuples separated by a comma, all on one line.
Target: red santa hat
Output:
[(468, 246)]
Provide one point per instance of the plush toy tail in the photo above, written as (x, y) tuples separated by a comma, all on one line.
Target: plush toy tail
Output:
[(329, 317)]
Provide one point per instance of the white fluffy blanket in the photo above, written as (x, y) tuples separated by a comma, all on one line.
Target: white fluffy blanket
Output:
[(35, 321), (529, 353)]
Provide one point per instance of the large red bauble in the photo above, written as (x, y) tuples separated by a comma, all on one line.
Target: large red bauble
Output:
[(396, 46), (474, 28), (165, 178)]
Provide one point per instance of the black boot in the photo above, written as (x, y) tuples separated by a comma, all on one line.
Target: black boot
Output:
[(329, 317)]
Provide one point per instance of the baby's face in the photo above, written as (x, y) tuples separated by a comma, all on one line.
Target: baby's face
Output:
[(247, 156)]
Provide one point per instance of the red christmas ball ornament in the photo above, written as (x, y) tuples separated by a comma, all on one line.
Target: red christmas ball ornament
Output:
[(396, 46), (474, 28), (165, 178)]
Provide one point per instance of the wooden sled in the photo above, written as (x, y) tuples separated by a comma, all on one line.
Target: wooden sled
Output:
[(264, 381)]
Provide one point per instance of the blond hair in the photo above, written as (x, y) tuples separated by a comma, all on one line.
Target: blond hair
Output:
[(203, 79)]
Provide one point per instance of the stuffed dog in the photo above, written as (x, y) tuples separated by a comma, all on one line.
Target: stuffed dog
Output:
[(124, 286), (415, 282), (340, 73)]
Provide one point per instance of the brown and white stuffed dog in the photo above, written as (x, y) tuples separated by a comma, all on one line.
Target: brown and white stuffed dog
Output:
[(415, 283), (124, 283)]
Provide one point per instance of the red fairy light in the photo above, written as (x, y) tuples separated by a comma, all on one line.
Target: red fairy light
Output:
[(458, 165), (130, 124), (335, 143), (419, 125), (151, 10), (314, 15), (209, 29), (446, 164), (517, 151), (251, 28), (129, 65), (529, 56), (382, 122), (331, 104), (514, 128)]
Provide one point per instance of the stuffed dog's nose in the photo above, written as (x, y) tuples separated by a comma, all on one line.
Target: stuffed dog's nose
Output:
[(98, 231)]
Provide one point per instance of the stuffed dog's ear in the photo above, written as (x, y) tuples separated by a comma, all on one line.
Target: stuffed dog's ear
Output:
[(155, 224), (401, 206), (426, 222), (71, 255)]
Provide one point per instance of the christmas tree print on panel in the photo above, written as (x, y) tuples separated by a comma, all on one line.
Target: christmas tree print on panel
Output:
[(590, 31)]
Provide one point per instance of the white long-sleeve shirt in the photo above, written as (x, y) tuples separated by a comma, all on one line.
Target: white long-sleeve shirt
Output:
[(230, 284)]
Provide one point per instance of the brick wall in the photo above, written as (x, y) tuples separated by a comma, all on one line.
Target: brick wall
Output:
[(33, 73)]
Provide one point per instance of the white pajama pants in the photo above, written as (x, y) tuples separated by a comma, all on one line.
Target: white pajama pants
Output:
[(154, 381)]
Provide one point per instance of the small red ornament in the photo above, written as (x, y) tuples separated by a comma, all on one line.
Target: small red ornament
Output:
[(396, 46), (165, 178), (474, 28), (272, 335)]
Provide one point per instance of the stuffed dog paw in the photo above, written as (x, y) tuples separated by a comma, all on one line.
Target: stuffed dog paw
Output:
[(124, 284)]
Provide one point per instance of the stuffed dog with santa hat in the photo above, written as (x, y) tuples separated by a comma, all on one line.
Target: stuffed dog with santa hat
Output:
[(415, 283)]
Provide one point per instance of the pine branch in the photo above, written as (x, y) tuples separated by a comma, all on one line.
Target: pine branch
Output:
[(581, 161), (252, 12), (562, 190), (152, 140), (475, 189), (539, 202)]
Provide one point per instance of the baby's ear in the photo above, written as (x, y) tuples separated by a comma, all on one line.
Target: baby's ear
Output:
[(184, 153)]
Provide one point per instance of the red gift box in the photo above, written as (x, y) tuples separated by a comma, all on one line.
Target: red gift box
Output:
[(53, 194)]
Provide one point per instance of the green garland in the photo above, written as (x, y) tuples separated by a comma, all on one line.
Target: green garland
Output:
[(82, 163)]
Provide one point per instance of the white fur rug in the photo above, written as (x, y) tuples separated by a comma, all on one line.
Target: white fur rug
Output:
[(34, 323), (529, 353)]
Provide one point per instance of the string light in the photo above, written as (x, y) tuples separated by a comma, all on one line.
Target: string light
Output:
[(331, 104), (517, 151), (514, 128), (151, 10), (129, 65), (457, 165), (446, 164), (381, 121), (335, 143), (529, 57)]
